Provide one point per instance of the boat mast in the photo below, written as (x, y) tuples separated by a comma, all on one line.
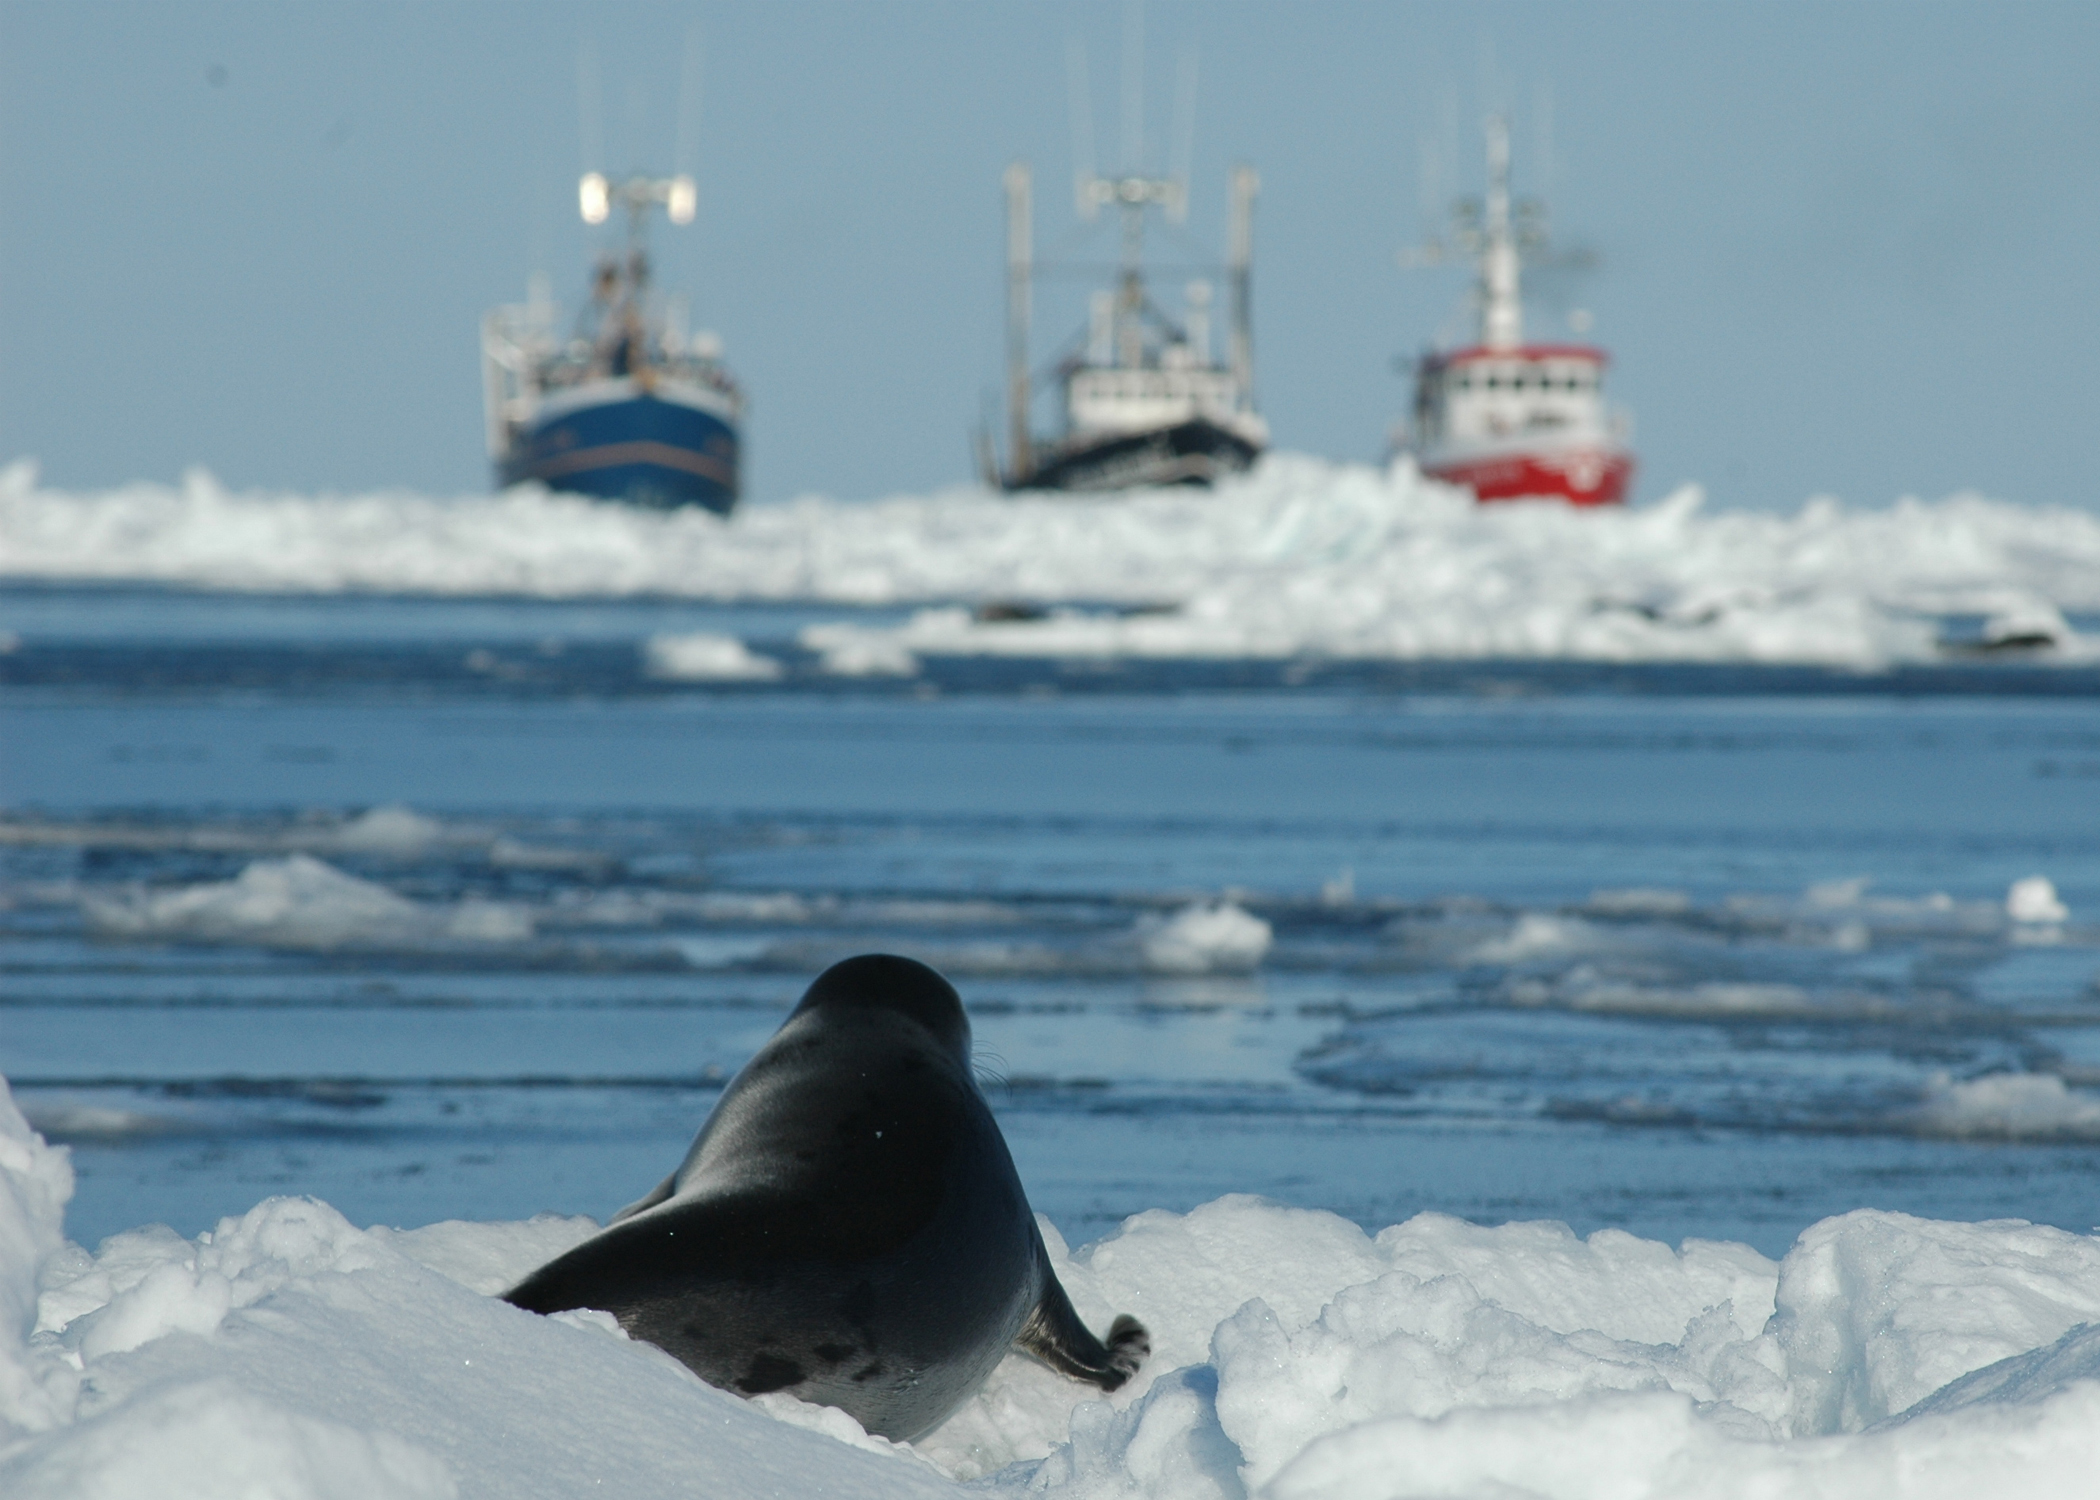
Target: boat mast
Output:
[(1246, 182), (1020, 271), (1132, 192), (1501, 305)]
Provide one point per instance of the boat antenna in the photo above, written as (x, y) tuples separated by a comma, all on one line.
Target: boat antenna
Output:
[(1246, 182), (1082, 109), (590, 130), (687, 149), (1020, 272), (1542, 123), (1132, 192), (1501, 305), (1134, 86), (1181, 162)]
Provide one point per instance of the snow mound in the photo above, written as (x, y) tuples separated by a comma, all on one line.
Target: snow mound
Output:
[(298, 902), (1298, 557), (290, 1353), (707, 658), (1206, 938), (36, 1181)]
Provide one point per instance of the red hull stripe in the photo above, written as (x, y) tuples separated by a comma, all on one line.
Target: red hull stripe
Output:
[(1584, 352), (1579, 478)]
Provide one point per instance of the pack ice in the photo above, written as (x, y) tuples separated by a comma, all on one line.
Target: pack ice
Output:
[(288, 1353), (1299, 557)]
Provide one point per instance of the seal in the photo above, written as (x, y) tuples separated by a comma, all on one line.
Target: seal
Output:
[(848, 1226)]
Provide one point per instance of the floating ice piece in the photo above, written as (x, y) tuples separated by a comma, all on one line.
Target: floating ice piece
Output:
[(710, 953), (2034, 899), (1837, 893), (2026, 624), (1206, 938), (507, 853), (1843, 914), (477, 921), (855, 651), (392, 829), (1640, 901), (297, 902), (708, 658), (2008, 1106), (1538, 935)]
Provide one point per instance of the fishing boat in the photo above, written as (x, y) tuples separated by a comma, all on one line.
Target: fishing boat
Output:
[(627, 405), (1142, 399), (1503, 417)]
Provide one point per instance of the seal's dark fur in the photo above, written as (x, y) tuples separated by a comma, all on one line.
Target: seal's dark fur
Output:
[(848, 1227)]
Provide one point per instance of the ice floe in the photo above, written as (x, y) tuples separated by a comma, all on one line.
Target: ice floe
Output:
[(391, 829), (2008, 1106), (287, 1352), (1206, 938), (1300, 557), (297, 902), (706, 657), (2033, 899)]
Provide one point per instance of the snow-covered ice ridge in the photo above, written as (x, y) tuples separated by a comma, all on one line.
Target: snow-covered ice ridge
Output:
[(292, 1354), (1301, 557)]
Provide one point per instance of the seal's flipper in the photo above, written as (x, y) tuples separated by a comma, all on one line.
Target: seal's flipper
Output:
[(661, 1193), (1054, 1335)]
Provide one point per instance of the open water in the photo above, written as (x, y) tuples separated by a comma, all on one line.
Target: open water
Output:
[(452, 910)]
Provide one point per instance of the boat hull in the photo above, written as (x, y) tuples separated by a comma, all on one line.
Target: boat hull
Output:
[(640, 449), (1580, 476), (1196, 453)]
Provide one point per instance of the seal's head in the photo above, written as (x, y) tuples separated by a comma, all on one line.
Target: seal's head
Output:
[(902, 986)]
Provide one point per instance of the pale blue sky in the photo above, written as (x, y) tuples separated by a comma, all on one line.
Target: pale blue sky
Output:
[(1845, 249)]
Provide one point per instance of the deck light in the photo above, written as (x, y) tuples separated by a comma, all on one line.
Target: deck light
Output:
[(681, 199), (594, 197)]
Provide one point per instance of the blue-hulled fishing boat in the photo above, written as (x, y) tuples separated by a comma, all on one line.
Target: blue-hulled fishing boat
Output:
[(628, 406)]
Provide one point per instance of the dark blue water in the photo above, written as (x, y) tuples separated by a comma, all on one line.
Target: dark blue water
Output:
[(1694, 952)]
